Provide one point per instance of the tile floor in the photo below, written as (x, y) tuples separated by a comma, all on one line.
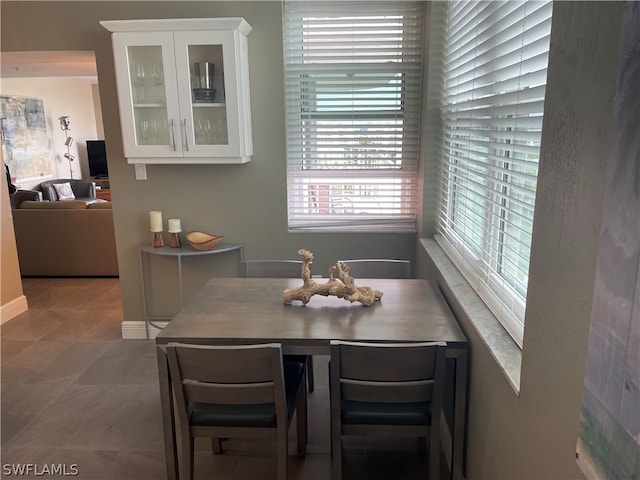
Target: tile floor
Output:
[(75, 394)]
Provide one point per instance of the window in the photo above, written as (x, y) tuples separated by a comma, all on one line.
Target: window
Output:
[(493, 102), (352, 86)]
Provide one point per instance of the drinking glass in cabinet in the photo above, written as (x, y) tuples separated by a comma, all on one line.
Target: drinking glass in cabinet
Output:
[(143, 132), (203, 131), (153, 132), (160, 132), (157, 74), (220, 137), (139, 76)]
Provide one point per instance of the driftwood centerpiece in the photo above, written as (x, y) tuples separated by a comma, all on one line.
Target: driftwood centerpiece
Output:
[(343, 286)]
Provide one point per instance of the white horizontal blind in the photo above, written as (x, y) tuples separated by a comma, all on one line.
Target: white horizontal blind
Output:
[(352, 87), (495, 78)]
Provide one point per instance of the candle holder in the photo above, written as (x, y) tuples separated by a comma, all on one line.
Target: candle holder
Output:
[(155, 222), (174, 229), (157, 240), (174, 241)]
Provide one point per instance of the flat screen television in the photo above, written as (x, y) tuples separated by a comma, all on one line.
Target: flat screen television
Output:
[(97, 159)]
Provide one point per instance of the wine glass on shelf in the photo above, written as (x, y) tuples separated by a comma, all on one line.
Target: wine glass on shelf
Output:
[(198, 131), (158, 79), (144, 132), (220, 132), (165, 130), (158, 129), (139, 76), (207, 131)]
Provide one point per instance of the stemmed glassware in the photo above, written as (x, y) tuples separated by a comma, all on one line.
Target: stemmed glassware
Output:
[(144, 132), (220, 136), (158, 79), (139, 76)]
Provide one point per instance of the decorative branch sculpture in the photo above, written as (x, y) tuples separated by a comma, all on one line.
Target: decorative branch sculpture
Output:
[(342, 287)]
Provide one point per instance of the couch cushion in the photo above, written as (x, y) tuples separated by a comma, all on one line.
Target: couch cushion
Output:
[(69, 205), (99, 205), (64, 191)]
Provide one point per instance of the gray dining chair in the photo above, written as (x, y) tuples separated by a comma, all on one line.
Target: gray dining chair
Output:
[(273, 268), (378, 268), (386, 390), (236, 392), (281, 269)]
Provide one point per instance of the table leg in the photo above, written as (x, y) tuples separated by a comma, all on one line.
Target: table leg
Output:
[(180, 286), (460, 412), (168, 419)]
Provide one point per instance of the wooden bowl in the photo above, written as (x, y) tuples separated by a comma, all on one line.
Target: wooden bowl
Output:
[(203, 241)]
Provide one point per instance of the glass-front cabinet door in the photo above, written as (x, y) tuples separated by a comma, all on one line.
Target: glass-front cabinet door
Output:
[(205, 58), (150, 114), (184, 94), (147, 94)]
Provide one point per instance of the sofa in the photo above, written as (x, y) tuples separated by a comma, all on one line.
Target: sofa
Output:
[(65, 239), (82, 189)]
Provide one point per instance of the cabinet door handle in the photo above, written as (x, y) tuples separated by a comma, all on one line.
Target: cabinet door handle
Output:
[(173, 135), (184, 134)]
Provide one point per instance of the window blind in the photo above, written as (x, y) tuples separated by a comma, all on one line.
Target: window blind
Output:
[(352, 90), (493, 104)]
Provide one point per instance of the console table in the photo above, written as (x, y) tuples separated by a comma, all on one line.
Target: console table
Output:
[(104, 194), (103, 189), (185, 251)]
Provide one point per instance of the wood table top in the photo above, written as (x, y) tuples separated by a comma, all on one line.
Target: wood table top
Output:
[(251, 310)]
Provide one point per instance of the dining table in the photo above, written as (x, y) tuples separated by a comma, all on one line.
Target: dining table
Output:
[(234, 311)]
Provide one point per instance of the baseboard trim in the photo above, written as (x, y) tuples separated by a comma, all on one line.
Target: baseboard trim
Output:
[(15, 307), (137, 330)]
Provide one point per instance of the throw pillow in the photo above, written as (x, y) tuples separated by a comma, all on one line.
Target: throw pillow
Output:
[(64, 191)]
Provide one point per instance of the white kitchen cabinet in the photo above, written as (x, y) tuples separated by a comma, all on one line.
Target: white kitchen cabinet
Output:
[(183, 89)]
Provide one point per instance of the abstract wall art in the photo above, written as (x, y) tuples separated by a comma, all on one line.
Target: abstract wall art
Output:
[(26, 146)]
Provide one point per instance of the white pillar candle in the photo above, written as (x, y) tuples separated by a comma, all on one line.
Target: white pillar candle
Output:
[(174, 225), (155, 220)]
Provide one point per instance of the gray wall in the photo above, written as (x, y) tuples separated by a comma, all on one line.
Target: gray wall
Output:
[(246, 203)]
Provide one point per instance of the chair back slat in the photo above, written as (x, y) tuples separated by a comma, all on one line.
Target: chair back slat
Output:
[(386, 362), (231, 394), (225, 364), (379, 268), (222, 374), (393, 373), (273, 268), (391, 392)]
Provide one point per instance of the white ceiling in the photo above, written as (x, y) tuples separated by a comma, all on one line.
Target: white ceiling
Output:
[(48, 64)]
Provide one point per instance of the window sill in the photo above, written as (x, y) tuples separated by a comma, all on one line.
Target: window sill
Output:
[(474, 315)]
